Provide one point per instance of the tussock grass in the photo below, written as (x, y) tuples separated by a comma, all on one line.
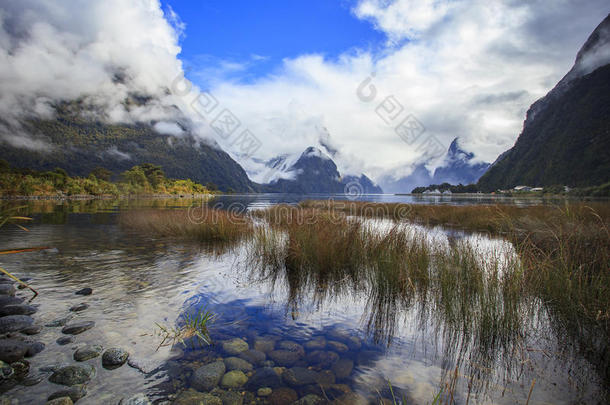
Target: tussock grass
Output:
[(205, 225)]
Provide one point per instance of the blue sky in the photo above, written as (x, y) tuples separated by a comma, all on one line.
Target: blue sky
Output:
[(258, 35)]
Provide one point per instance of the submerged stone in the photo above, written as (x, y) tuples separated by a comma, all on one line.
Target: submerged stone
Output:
[(87, 352), (84, 291), (138, 399), (114, 357), (263, 377), (235, 346), (72, 375), (298, 376), (343, 368), (17, 309), (207, 377), (253, 356), (192, 397), (65, 340), (77, 327), (12, 350), (31, 330), (235, 363), (74, 393), (285, 358), (282, 396), (7, 289), (60, 401), (59, 322), (79, 307), (233, 379), (15, 323)]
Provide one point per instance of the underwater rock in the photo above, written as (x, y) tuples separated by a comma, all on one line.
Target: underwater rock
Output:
[(235, 363), (31, 330), (285, 358), (84, 291), (253, 356), (87, 352), (138, 399), (17, 309), (323, 359), (12, 350), (291, 346), (235, 346), (192, 397), (60, 401), (7, 289), (317, 343), (337, 346), (264, 344), (72, 375), (77, 327), (79, 307), (74, 393), (309, 399), (343, 368), (263, 377), (231, 398), (207, 377), (283, 396), (114, 357), (65, 340), (264, 392), (298, 376), (15, 323), (34, 348), (233, 379), (59, 322)]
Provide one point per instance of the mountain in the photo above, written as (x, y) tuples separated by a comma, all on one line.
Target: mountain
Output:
[(78, 143), (566, 134), (458, 167), (312, 171)]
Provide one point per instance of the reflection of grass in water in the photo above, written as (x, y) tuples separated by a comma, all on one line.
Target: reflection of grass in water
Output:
[(195, 325), (481, 311)]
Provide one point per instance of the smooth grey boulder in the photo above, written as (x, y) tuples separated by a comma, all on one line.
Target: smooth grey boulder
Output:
[(207, 377), (12, 350), (72, 375), (17, 309), (15, 323), (74, 393), (77, 327), (87, 352), (114, 357)]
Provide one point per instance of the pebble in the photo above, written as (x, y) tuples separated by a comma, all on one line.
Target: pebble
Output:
[(235, 363), (12, 350), (298, 376), (17, 309), (235, 346), (343, 368), (207, 377), (77, 327), (282, 396), (74, 393), (264, 344), (34, 348), (59, 322), (285, 358), (7, 289), (15, 323), (263, 377), (84, 291), (72, 375), (337, 346), (79, 307), (87, 352), (253, 356), (114, 357), (192, 397), (65, 340), (9, 300), (31, 330), (264, 392), (61, 401), (233, 379)]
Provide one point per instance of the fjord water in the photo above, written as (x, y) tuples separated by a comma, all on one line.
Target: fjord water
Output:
[(139, 281)]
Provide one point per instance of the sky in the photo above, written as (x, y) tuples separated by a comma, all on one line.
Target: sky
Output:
[(293, 73)]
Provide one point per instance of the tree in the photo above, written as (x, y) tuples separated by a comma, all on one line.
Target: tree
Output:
[(102, 173)]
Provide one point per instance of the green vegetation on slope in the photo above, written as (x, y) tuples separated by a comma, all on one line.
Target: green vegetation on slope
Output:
[(142, 179)]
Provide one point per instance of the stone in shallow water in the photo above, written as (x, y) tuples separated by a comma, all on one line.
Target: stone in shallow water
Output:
[(87, 352), (34, 348), (235, 363), (343, 368), (7, 289), (235, 346), (65, 340), (264, 344), (207, 377), (317, 343), (74, 393), (192, 397), (79, 307), (9, 300), (12, 350), (231, 398), (309, 399), (253, 356), (285, 358), (322, 358), (233, 379), (298, 376), (144, 365), (77, 327), (17, 309), (264, 392), (263, 377), (31, 330), (282, 396), (15, 323), (6, 370), (72, 375), (60, 401), (84, 291), (59, 322), (337, 346), (114, 357)]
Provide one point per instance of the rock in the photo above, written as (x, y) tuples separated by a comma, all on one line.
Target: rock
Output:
[(6, 371), (31, 330), (343, 368), (325, 377), (32, 380), (79, 307), (146, 366), (337, 346), (299, 376), (7, 289), (74, 393), (264, 344), (65, 340), (12, 350), (322, 359), (15, 323), (317, 343), (253, 356), (337, 390), (114, 357), (235, 363), (9, 300), (59, 322), (34, 348), (309, 399), (138, 399), (233, 379), (285, 358), (263, 377), (77, 327), (50, 368), (192, 397), (84, 291), (352, 342), (17, 309), (367, 357), (291, 346), (235, 346), (87, 352), (72, 375), (283, 396), (231, 398), (207, 377), (60, 401), (264, 392), (21, 368)]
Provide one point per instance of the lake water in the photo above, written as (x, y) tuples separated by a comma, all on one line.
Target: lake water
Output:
[(344, 341)]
